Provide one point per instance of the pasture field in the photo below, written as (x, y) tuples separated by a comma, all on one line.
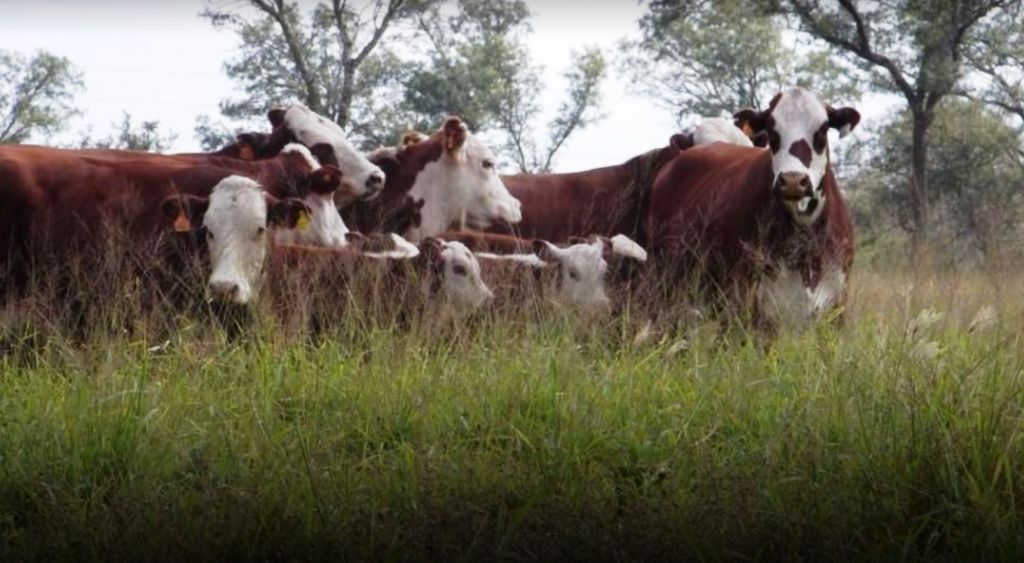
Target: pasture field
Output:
[(897, 436)]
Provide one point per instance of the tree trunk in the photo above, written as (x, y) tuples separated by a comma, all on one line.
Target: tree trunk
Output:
[(919, 177)]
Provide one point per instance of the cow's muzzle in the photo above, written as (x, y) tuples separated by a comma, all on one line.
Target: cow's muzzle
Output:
[(794, 186)]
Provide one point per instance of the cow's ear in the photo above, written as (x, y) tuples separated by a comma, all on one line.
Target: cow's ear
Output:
[(750, 121), (324, 154), (681, 141), (285, 213), (760, 139), (843, 119), (622, 247), (276, 117), (325, 180), (545, 250), (184, 210), (455, 134), (250, 145), (411, 138), (430, 250)]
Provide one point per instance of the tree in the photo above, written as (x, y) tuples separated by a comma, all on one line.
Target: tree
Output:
[(998, 57), (713, 58), (331, 61), (977, 177), (145, 136), (914, 48), (479, 68), (36, 94)]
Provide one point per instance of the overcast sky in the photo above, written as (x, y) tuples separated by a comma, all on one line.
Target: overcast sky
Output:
[(158, 61)]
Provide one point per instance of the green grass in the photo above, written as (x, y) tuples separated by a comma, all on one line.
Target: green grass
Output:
[(515, 439)]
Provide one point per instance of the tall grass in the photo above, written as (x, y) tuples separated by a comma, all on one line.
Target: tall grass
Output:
[(895, 436)]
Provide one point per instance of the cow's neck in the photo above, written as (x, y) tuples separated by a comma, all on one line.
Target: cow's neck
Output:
[(395, 210)]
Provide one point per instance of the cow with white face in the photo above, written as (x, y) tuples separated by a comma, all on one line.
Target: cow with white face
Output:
[(577, 275), (325, 186), (326, 140), (457, 271), (796, 124), (447, 180), (235, 219)]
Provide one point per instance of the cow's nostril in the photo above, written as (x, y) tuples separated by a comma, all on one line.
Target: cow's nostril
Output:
[(224, 288), (376, 180)]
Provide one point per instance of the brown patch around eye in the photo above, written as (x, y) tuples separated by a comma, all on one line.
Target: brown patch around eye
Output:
[(802, 151), (821, 139), (774, 141)]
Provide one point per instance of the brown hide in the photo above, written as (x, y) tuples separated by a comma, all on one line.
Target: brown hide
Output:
[(606, 201), (712, 213), (63, 201)]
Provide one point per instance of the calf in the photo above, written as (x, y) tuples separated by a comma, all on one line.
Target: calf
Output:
[(319, 287), (576, 275)]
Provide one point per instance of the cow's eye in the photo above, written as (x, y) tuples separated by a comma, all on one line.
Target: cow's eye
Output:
[(209, 235), (260, 231), (459, 270), (488, 164), (574, 274)]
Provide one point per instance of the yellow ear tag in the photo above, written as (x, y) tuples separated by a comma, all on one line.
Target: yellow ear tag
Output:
[(303, 221), (181, 224)]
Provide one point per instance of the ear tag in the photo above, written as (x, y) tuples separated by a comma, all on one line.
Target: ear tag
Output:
[(303, 221), (181, 224)]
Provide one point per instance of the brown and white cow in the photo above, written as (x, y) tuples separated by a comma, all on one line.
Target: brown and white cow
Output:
[(744, 218), (327, 141), (444, 181), (63, 202)]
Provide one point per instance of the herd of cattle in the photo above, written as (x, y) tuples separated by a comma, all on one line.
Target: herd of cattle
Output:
[(762, 217)]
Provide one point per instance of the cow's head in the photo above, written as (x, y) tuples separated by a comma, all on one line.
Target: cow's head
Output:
[(321, 188), (583, 267), (456, 177), (235, 219), (328, 143), (454, 273), (796, 124)]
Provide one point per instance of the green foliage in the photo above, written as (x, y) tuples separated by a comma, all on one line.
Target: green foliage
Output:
[(36, 94), (144, 136), (714, 58), (997, 56), (333, 60), (481, 70), (976, 172)]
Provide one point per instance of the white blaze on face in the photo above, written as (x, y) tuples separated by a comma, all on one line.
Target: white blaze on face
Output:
[(583, 274), (462, 187), (461, 282), (719, 130), (324, 226), (311, 129), (236, 224), (798, 116)]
